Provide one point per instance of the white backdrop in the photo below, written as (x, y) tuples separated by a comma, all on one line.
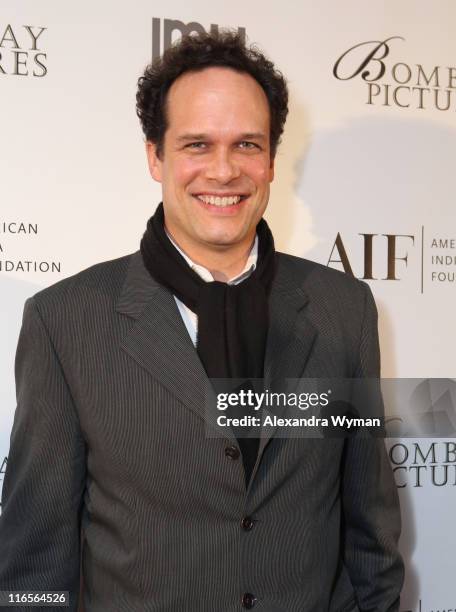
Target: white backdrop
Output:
[(73, 172)]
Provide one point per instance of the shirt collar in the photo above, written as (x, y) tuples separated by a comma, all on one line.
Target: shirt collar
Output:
[(204, 273)]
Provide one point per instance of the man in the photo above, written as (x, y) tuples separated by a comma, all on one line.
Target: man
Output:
[(110, 452)]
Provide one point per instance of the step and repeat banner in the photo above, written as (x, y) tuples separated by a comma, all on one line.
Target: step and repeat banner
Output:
[(364, 183)]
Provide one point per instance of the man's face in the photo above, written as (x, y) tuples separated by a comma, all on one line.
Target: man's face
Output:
[(215, 166)]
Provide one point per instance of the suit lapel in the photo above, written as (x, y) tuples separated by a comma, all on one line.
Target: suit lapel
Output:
[(290, 338), (159, 341)]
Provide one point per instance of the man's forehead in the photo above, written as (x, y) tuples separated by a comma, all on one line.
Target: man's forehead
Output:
[(216, 97), (213, 75), (197, 86)]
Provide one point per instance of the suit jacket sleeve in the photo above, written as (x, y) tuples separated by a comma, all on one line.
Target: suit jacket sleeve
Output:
[(372, 519), (45, 475)]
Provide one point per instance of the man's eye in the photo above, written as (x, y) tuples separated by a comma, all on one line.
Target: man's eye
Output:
[(196, 145), (245, 144)]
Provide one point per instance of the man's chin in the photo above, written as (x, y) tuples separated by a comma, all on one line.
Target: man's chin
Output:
[(221, 240), (222, 233)]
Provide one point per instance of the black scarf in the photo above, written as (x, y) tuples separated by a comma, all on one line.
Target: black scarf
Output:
[(232, 319)]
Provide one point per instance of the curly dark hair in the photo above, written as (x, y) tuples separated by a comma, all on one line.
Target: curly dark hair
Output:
[(192, 52)]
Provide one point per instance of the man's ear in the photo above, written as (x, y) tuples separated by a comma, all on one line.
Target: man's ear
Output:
[(155, 164), (271, 169)]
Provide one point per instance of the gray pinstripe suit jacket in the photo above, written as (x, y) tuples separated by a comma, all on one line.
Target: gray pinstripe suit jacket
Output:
[(109, 455)]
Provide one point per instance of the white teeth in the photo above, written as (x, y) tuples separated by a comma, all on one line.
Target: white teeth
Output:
[(217, 201)]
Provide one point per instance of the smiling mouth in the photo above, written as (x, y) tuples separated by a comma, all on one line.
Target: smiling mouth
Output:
[(221, 201)]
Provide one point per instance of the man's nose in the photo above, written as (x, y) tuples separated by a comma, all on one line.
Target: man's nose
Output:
[(222, 166)]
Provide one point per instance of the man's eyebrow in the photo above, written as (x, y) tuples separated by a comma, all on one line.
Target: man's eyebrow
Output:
[(191, 137), (245, 136), (253, 136)]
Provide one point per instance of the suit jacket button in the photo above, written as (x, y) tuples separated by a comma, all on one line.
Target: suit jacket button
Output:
[(247, 523), (232, 452), (248, 600)]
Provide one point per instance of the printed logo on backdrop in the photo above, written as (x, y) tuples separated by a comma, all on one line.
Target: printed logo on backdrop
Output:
[(424, 464), (391, 257), (164, 31), (427, 463), (18, 230), (22, 50), (389, 81)]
